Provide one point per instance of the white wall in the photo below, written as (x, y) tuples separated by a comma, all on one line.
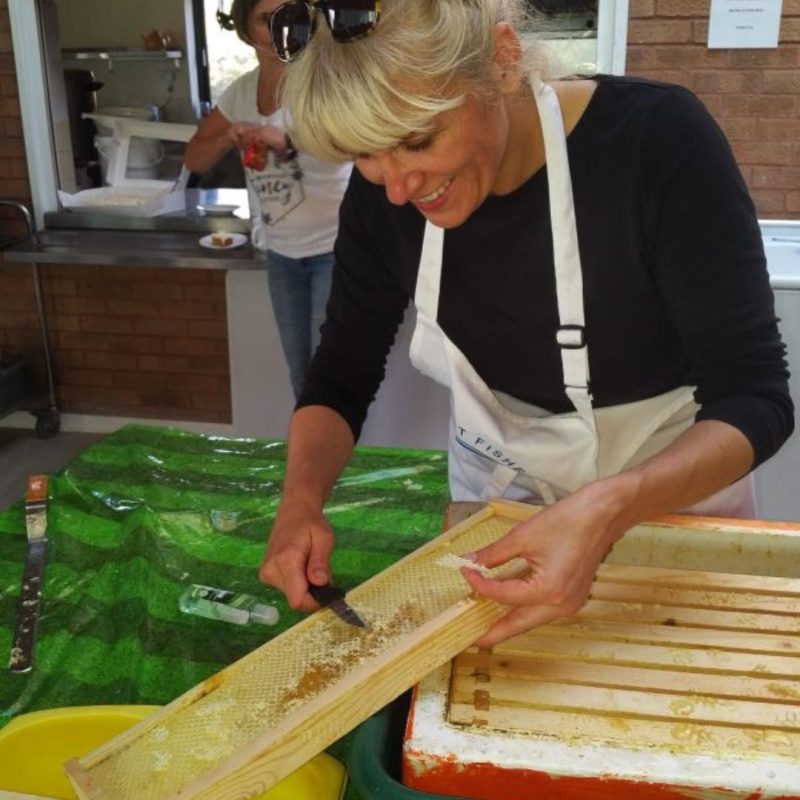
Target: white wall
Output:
[(778, 481), (121, 24), (117, 23), (409, 411)]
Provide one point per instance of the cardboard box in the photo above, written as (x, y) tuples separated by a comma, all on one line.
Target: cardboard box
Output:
[(133, 196), (130, 200)]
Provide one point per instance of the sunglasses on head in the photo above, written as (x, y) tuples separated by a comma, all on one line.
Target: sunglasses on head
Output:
[(292, 24), (225, 21)]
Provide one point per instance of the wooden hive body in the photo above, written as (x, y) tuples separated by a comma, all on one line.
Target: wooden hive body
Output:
[(679, 679), (242, 730)]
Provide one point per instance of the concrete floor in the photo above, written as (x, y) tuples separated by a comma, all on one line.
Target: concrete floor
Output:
[(23, 454)]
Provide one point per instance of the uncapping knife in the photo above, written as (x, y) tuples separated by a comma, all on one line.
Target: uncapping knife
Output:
[(332, 597), (24, 642)]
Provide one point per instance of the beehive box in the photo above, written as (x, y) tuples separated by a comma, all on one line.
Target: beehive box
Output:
[(679, 679), (248, 726)]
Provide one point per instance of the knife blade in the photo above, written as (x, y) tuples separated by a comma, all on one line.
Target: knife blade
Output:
[(24, 642), (332, 597)]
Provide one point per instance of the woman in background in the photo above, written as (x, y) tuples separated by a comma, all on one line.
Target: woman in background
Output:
[(294, 197)]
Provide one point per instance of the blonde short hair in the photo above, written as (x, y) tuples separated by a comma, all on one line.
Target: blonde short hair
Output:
[(423, 58)]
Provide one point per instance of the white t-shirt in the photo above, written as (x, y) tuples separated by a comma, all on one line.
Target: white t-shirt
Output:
[(294, 205)]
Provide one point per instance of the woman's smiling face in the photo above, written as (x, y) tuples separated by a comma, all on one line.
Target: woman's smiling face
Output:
[(448, 174)]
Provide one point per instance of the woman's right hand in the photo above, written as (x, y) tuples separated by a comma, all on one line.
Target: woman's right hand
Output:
[(299, 547), (298, 553), (267, 137)]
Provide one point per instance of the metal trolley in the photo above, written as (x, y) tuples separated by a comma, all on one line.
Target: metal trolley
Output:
[(48, 419)]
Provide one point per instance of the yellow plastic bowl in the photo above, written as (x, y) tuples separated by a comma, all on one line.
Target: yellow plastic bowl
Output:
[(35, 746)]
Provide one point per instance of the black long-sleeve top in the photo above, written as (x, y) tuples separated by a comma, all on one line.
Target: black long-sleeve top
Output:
[(676, 290)]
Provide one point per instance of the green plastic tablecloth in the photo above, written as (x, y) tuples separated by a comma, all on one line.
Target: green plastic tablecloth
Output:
[(148, 510)]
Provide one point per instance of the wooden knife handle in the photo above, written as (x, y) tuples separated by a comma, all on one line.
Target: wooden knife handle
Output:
[(37, 489)]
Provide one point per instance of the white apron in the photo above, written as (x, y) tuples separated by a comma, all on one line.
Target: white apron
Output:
[(500, 446)]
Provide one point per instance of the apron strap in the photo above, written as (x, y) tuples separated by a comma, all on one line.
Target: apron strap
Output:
[(502, 477), (566, 255), (429, 276)]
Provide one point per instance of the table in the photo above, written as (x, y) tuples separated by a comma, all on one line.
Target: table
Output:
[(148, 510)]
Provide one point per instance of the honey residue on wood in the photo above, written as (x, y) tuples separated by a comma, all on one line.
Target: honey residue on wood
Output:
[(349, 647), (782, 690), (313, 680)]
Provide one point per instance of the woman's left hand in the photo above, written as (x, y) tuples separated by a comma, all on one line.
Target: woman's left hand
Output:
[(266, 138), (564, 545)]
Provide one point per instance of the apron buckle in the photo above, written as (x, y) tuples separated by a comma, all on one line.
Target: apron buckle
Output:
[(571, 337)]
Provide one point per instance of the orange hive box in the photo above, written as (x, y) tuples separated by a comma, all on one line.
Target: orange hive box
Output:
[(679, 679)]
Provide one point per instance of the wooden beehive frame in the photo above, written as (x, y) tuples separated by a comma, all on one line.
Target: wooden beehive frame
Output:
[(419, 616), (672, 659)]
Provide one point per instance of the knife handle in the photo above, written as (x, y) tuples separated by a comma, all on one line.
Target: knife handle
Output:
[(325, 595), (37, 489)]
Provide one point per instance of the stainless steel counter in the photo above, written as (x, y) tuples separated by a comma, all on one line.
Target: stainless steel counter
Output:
[(169, 240), (195, 223), (131, 248)]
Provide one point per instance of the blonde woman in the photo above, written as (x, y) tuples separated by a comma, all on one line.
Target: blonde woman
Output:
[(589, 281), (294, 197)]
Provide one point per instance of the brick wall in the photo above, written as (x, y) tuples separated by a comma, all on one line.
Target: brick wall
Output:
[(126, 341), (753, 94), (129, 341), (13, 168)]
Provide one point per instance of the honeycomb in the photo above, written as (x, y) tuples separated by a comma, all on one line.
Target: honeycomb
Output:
[(273, 685)]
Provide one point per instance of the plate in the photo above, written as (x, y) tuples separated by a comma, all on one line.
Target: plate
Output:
[(216, 210), (238, 240)]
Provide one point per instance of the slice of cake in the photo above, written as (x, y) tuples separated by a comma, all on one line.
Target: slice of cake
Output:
[(221, 239)]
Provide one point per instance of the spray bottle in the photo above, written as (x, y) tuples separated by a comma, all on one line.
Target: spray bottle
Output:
[(236, 607)]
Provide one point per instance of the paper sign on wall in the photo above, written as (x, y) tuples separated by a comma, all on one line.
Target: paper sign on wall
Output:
[(744, 23)]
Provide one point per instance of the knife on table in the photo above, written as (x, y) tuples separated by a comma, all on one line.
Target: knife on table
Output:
[(332, 597), (24, 643)]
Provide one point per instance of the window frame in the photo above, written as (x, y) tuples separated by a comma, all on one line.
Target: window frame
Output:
[(612, 36), (201, 55), (37, 125)]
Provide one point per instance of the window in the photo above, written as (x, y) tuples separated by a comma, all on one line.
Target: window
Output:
[(575, 18), (227, 56), (211, 57), (567, 32)]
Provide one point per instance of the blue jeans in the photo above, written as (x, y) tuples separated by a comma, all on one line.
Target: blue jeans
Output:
[(299, 288)]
